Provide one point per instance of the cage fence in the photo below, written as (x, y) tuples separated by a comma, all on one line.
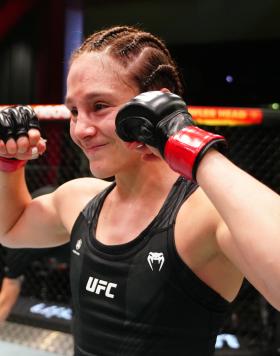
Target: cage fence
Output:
[(252, 326)]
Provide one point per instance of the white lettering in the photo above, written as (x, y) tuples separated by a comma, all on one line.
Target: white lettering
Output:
[(108, 289), (96, 286), (91, 284), (101, 286), (51, 311)]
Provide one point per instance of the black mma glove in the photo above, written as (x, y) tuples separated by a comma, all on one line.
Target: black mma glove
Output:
[(15, 121), (161, 120)]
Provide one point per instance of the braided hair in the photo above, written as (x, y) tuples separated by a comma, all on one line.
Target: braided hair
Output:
[(145, 57)]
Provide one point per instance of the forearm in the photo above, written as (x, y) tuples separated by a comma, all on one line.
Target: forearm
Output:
[(9, 294), (14, 198)]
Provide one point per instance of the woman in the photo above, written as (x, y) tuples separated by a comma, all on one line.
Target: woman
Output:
[(156, 260)]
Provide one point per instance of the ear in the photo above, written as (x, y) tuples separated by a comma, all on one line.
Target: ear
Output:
[(165, 90), (134, 145), (150, 157)]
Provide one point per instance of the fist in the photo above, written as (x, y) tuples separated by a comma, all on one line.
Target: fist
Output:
[(151, 118), (20, 133), (161, 120)]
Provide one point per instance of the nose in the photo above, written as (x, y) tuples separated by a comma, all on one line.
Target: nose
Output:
[(83, 128)]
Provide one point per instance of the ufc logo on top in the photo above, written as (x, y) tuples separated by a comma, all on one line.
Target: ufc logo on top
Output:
[(97, 286)]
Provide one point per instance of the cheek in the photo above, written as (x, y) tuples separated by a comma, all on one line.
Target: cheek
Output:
[(109, 127), (72, 132), (122, 145)]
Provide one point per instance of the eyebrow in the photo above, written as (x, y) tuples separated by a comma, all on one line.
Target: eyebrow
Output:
[(89, 96)]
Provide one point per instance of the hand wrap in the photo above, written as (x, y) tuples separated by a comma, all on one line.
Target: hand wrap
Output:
[(10, 164), (161, 120)]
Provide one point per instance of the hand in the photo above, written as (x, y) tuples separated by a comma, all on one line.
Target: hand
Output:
[(20, 136), (161, 120), (151, 118)]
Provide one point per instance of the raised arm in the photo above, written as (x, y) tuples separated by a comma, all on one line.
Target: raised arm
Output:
[(250, 232), (24, 222), (251, 212)]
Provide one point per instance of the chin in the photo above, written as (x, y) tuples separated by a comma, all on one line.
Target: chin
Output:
[(101, 174)]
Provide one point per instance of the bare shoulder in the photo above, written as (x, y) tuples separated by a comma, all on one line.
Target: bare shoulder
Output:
[(72, 197), (88, 185)]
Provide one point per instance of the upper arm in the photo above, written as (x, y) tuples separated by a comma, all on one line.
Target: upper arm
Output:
[(48, 219), (38, 226), (195, 228), (257, 270), (198, 246)]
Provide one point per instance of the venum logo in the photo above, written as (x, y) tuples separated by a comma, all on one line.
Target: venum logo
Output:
[(98, 286), (155, 258)]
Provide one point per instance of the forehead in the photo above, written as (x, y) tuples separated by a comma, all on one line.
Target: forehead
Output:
[(97, 72), (94, 67)]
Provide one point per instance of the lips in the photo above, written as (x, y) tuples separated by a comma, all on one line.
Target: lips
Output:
[(97, 146), (93, 149)]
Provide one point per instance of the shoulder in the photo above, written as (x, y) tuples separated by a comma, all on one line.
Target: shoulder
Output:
[(71, 197), (79, 191), (85, 186)]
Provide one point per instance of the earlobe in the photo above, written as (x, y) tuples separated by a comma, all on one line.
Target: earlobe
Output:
[(150, 157)]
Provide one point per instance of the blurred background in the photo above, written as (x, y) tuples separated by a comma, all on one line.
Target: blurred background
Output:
[(228, 54), (227, 50)]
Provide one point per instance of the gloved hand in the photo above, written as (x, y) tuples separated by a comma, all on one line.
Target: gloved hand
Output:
[(161, 120), (15, 122)]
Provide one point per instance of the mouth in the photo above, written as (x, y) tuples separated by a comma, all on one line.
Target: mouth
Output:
[(93, 149)]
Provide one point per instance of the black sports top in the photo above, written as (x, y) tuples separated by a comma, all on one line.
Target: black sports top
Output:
[(139, 298)]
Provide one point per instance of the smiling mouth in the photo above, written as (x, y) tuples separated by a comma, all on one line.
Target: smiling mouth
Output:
[(94, 148), (98, 146)]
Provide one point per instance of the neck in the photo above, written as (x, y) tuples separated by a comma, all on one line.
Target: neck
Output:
[(150, 179)]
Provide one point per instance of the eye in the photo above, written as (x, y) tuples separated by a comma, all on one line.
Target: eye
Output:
[(100, 106), (74, 112)]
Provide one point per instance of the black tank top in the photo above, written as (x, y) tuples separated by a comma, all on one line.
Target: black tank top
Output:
[(139, 298)]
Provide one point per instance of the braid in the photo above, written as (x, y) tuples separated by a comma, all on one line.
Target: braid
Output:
[(101, 39), (139, 41), (108, 36), (167, 71), (145, 57)]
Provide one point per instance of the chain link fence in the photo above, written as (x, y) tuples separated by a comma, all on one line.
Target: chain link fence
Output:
[(252, 320), (252, 325)]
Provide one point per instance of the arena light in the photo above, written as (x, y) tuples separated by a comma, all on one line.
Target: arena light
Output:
[(226, 116), (202, 115), (48, 112)]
